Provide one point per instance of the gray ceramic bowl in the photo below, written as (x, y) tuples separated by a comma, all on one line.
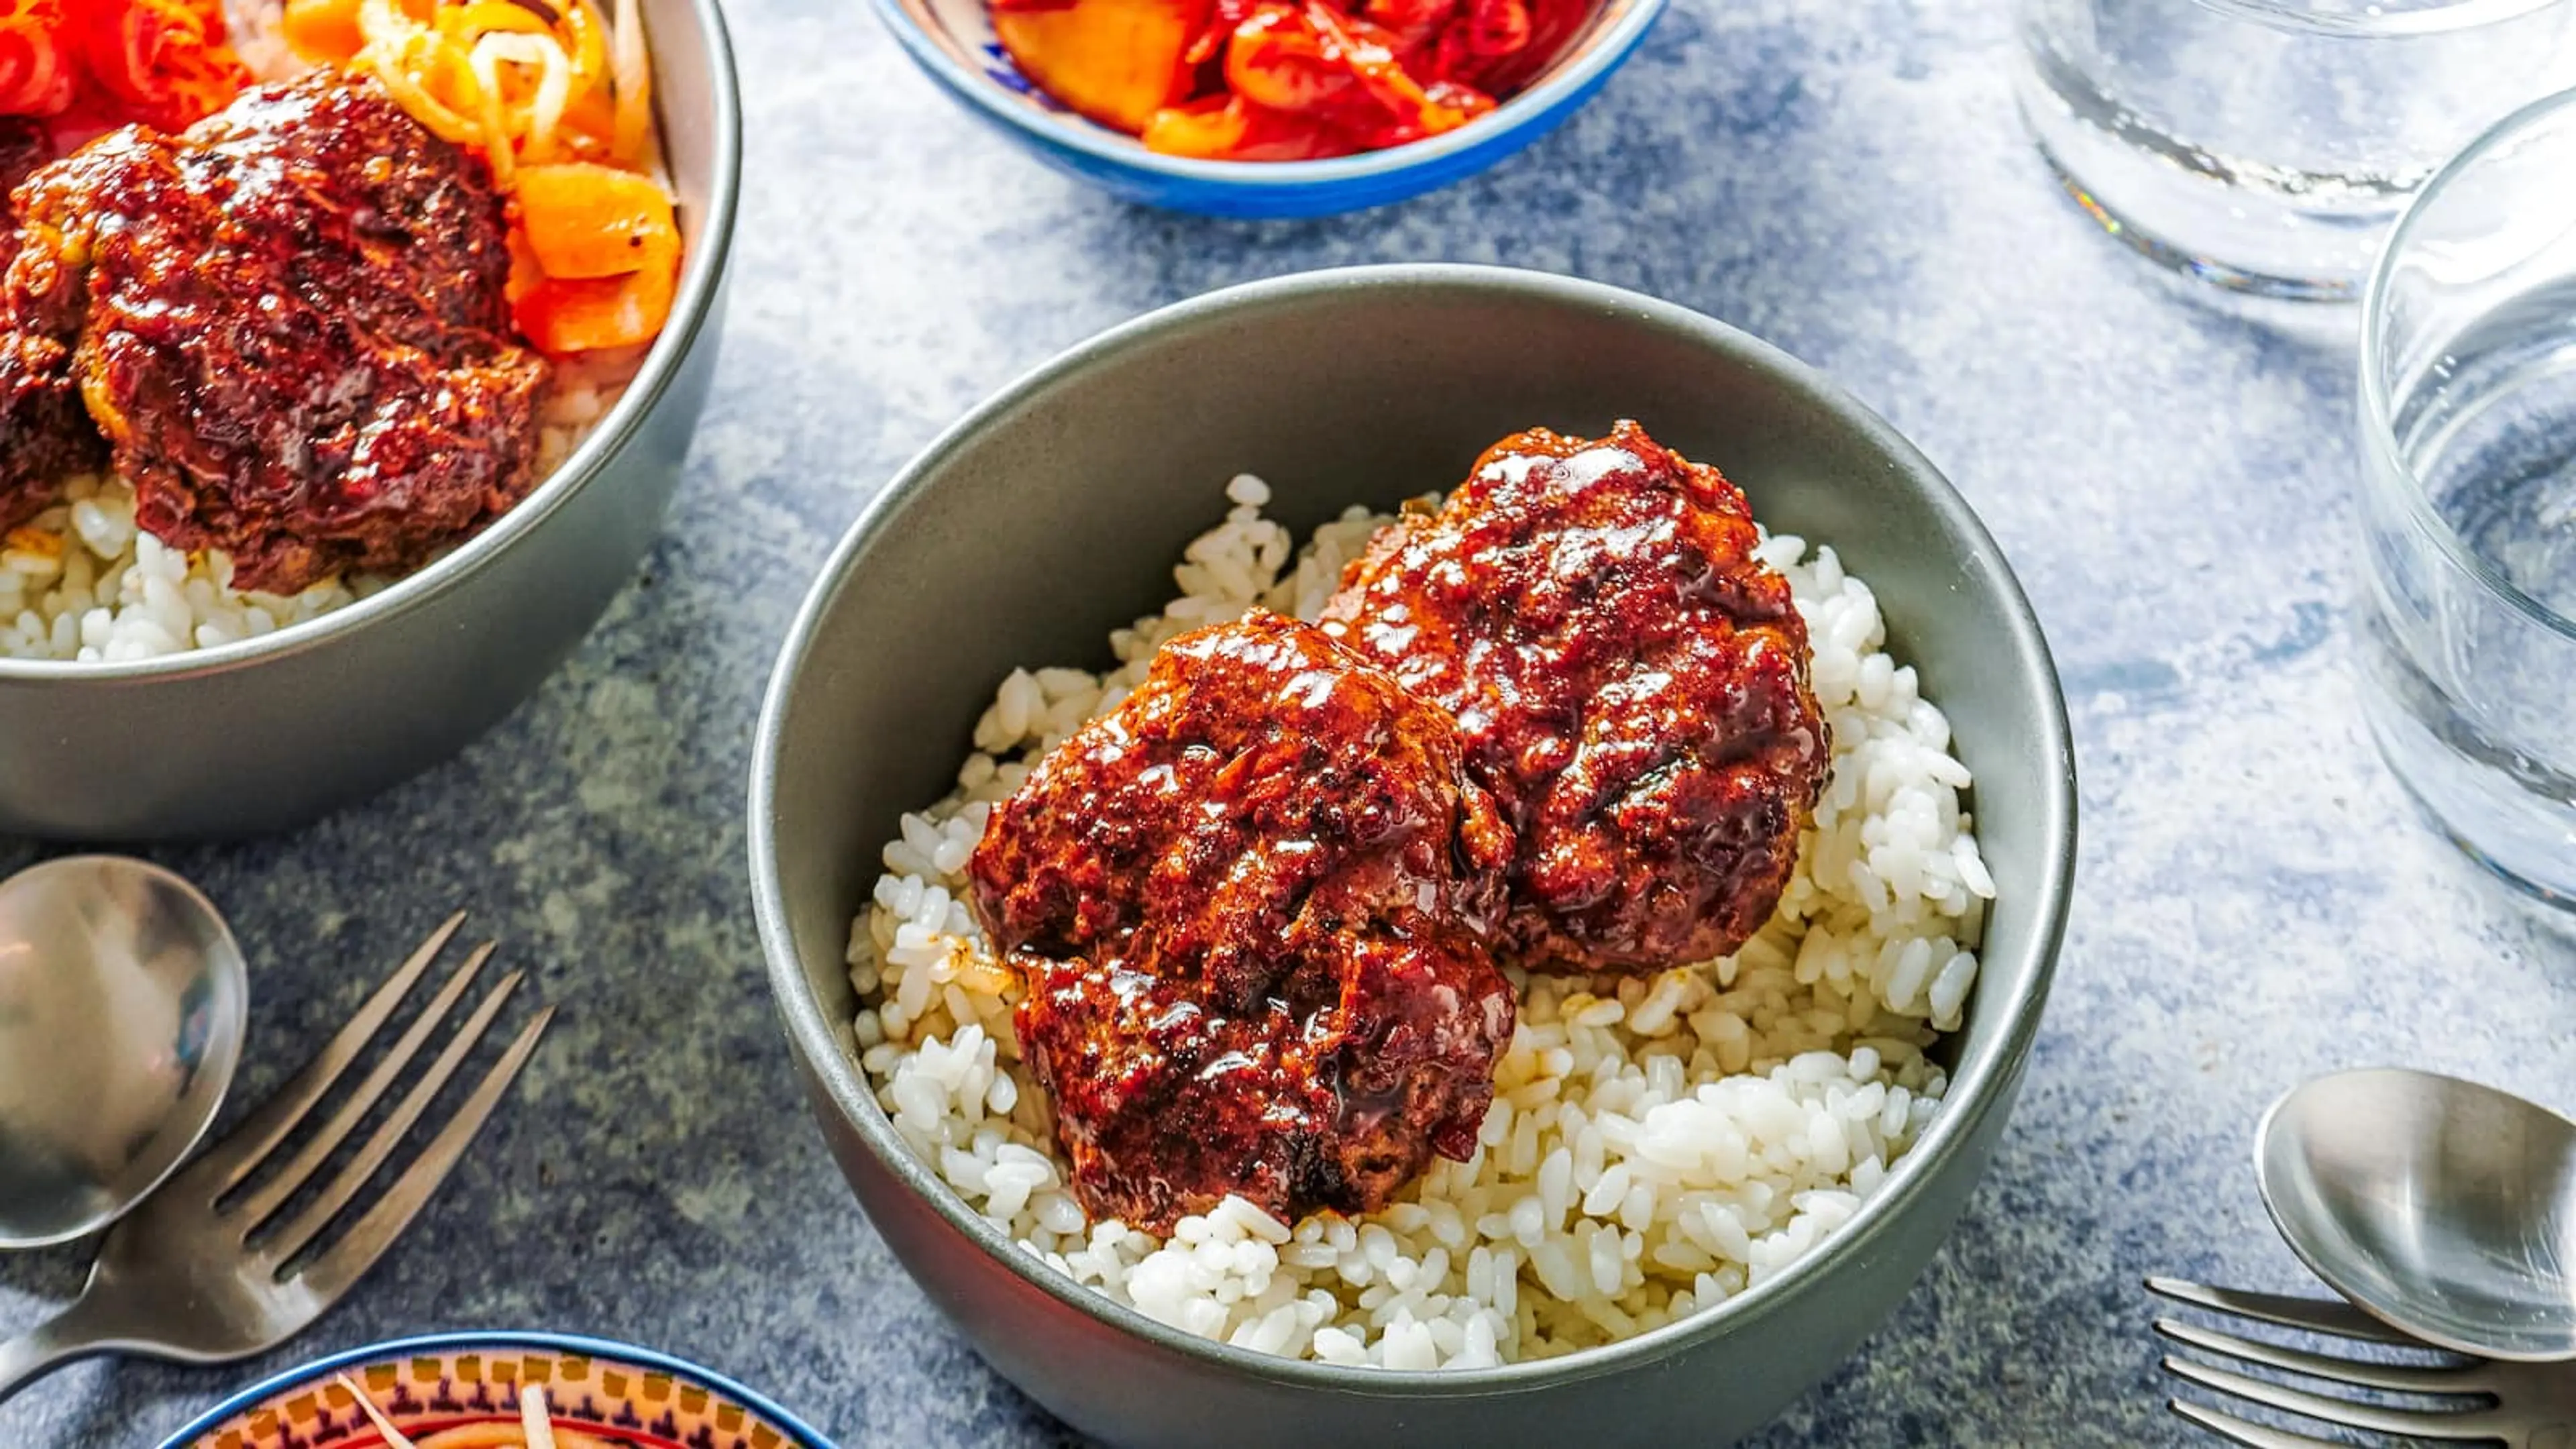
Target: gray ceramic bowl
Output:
[(268, 733), (1055, 512)]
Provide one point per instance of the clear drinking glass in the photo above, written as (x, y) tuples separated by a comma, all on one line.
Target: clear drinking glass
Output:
[(2467, 632), (2266, 145)]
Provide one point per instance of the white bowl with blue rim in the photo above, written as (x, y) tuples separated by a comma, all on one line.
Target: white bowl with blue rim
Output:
[(953, 41)]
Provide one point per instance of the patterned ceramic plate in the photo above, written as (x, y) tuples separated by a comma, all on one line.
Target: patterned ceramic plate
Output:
[(461, 1391)]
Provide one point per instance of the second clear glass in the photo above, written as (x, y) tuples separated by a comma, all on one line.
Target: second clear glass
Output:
[(2467, 628), (2266, 145)]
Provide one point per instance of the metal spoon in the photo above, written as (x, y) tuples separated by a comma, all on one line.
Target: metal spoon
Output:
[(122, 1005), (2440, 1207)]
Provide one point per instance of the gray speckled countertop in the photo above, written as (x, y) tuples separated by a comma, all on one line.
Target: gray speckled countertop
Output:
[(2256, 900)]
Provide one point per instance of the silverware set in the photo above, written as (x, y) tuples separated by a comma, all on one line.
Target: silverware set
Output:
[(2519, 1405), (2442, 1211), (2438, 1208), (236, 1252)]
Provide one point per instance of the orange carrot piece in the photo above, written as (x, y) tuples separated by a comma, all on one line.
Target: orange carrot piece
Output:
[(320, 30), (588, 126), (525, 275), (586, 221), (584, 314)]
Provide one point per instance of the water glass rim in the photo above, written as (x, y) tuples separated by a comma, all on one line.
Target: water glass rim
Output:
[(2378, 413), (2376, 22)]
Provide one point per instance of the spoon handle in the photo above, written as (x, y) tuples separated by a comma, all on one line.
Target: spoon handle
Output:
[(76, 1332)]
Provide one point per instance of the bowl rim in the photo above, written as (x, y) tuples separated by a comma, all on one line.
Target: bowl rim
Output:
[(1976, 1087), (1600, 52), (567, 1345), (691, 314)]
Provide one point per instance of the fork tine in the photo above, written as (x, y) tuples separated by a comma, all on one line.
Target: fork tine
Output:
[(263, 1203), (2313, 1314), (2245, 1431), (335, 1268), (2404, 1378), (2423, 1423), (258, 1134), (308, 1225)]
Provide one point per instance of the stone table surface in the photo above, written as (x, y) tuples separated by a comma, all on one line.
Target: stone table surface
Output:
[(2256, 901)]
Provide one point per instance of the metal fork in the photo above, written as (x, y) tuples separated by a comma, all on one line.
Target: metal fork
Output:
[(207, 1270), (2519, 1405)]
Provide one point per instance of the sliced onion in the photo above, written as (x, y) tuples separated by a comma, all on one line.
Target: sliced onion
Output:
[(532, 123), (400, 51), (394, 66), (497, 150), (633, 67), (554, 96)]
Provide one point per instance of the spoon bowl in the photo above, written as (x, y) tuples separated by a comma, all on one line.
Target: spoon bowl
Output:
[(2443, 1208), (122, 1008)]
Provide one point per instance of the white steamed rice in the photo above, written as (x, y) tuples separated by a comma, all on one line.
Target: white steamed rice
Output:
[(1656, 1145), (79, 582)]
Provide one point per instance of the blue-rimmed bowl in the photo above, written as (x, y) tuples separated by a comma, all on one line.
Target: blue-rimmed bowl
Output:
[(616, 1391), (953, 40)]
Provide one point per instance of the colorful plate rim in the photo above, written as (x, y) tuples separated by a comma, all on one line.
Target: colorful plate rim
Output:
[(567, 1344)]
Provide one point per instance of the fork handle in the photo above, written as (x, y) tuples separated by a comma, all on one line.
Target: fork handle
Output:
[(75, 1333)]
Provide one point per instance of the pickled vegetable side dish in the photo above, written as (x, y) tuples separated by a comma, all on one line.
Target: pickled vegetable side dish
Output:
[(1262, 80)]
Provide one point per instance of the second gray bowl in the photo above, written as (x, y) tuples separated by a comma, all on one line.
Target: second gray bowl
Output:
[(1056, 511), (264, 734)]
